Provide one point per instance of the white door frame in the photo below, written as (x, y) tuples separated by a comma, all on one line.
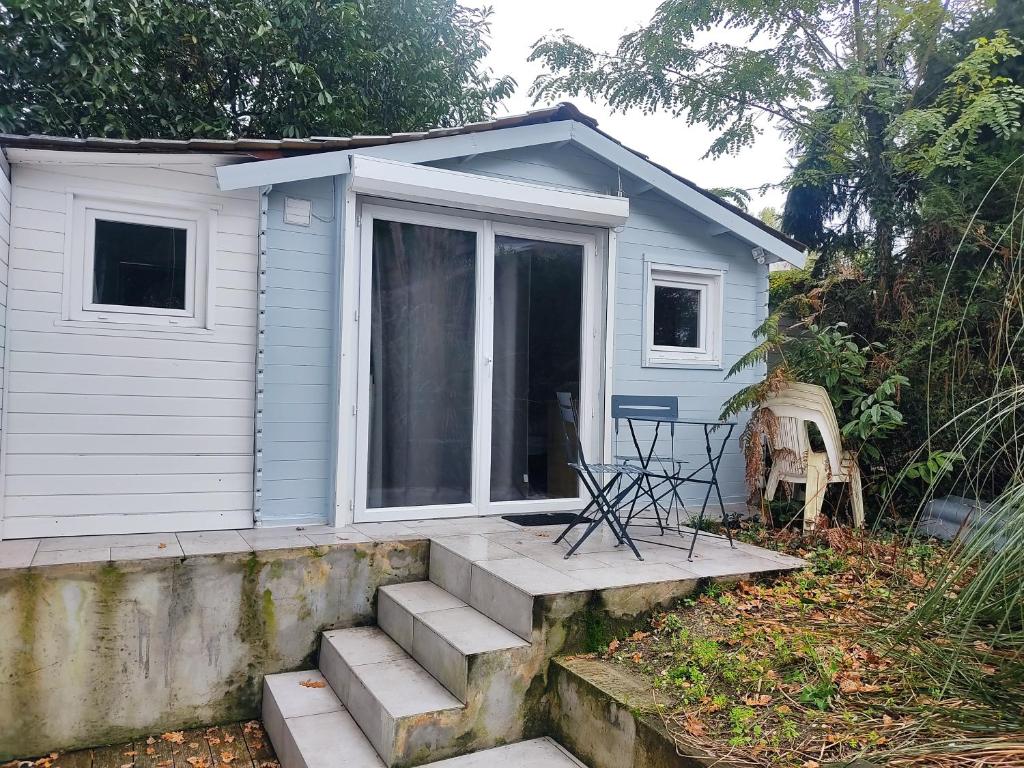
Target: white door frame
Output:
[(359, 269)]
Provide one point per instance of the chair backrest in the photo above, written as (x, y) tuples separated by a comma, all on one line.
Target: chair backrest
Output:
[(803, 403), (630, 406), (570, 428)]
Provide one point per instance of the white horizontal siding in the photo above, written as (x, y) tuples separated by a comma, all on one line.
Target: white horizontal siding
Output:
[(111, 429)]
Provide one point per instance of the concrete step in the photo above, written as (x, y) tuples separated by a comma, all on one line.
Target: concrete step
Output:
[(309, 727), (497, 581), (536, 753), (449, 638), (386, 692)]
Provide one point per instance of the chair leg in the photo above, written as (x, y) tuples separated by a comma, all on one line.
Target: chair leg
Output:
[(773, 482), (856, 497), (814, 489)]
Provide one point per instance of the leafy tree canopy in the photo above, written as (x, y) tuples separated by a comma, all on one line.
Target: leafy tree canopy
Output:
[(845, 80), (183, 68)]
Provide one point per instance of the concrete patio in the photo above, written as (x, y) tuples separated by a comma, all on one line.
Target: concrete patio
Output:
[(432, 638), (664, 556)]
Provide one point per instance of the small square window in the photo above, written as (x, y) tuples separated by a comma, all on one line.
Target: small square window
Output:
[(677, 316), (139, 265), (682, 316)]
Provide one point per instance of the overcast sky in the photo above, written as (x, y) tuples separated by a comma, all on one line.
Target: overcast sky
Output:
[(669, 141)]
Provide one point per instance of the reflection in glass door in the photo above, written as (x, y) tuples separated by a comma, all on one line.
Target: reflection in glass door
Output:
[(466, 330), (538, 299), (421, 366)]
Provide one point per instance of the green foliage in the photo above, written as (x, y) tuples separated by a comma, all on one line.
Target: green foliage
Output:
[(735, 195), (221, 68), (975, 100), (844, 82)]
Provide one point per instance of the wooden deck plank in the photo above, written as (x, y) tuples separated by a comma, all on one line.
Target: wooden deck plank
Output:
[(228, 747), (153, 752), (118, 756), (193, 751), (260, 751), (81, 758)]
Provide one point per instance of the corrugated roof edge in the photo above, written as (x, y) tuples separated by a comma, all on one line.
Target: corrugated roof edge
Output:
[(265, 149)]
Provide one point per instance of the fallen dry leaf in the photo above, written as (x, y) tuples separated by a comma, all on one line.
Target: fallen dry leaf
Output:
[(613, 646), (175, 737), (758, 700), (307, 684), (198, 762), (228, 738), (151, 740), (694, 726), (226, 757)]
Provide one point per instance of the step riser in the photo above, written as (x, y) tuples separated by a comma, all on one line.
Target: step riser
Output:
[(309, 727), (439, 658), (365, 709), (493, 597), (279, 733), (388, 734)]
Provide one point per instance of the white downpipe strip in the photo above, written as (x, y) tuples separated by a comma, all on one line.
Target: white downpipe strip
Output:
[(420, 184)]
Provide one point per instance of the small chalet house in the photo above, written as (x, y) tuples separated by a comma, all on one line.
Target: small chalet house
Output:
[(227, 334)]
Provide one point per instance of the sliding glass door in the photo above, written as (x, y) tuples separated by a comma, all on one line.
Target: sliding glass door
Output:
[(468, 330), (538, 301)]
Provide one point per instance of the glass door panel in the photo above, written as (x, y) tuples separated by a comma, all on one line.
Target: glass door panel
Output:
[(538, 301), (422, 362)]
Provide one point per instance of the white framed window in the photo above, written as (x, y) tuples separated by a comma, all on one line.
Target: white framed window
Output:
[(682, 316), (138, 263)]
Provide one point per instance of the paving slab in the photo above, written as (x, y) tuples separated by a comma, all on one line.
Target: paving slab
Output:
[(536, 753), (105, 542), (17, 553), (68, 556), (212, 543)]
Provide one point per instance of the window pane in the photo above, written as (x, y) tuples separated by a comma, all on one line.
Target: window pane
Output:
[(422, 334), (538, 300), (138, 265), (676, 316)]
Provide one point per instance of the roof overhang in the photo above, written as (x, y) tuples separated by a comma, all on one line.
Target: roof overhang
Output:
[(423, 184), (773, 246)]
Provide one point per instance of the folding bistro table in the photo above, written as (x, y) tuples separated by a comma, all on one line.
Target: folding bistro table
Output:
[(663, 475)]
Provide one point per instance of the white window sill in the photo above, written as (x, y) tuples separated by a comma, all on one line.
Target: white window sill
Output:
[(707, 365), (157, 329)]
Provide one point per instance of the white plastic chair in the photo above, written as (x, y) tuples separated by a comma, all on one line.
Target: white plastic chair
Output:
[(793, 460)]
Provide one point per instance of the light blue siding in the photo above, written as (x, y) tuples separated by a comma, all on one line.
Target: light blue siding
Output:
[(298, 457), (299, 341), (658, 230)]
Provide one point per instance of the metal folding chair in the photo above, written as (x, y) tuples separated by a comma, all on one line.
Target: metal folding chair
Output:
[(651, 487), (605, 501), (664, 475)]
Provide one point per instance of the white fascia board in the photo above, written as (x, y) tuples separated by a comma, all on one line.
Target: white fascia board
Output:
[(468, 191), (29, 156), (301, 167), (636, 166)]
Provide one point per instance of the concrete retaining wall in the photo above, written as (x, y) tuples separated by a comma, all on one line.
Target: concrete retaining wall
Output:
[(99, 653), (608, 720)]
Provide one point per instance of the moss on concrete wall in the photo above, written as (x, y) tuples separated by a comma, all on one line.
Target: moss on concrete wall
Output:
[(100, 653)]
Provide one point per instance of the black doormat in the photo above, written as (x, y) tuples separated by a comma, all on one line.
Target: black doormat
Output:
[(541, 518)]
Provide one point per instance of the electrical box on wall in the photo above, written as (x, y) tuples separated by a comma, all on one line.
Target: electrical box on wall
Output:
[(298, 211)]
